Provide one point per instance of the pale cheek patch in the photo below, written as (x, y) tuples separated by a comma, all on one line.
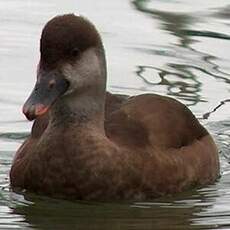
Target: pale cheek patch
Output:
[(70, 75), (66, 71), (83, 72)]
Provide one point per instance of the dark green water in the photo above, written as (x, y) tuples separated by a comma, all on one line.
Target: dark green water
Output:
[(179, 48)]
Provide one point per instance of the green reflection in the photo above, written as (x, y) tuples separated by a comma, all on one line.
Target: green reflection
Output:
[(46, 213)]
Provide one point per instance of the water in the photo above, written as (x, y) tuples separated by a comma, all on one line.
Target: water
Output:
[(171, 47)]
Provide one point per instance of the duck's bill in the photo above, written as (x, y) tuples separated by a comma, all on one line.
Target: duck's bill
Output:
[(47, 90)]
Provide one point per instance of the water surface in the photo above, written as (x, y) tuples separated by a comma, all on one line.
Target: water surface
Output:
[(171, 47)]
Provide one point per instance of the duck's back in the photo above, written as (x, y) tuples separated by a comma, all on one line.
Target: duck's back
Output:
[(155, 120)]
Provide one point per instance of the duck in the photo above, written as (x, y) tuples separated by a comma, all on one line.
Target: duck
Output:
[(89, 144)]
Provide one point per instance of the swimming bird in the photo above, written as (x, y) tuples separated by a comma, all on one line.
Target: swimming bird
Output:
[(92, 145)]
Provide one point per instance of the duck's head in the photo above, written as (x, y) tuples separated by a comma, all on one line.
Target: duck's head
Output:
[(72, 63)]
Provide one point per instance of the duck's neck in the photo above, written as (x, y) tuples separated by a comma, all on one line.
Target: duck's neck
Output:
[(79, 111)]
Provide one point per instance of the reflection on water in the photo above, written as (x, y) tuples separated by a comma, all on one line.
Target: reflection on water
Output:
[(188, 87), (175, 48), (186, 211), (183, 86)]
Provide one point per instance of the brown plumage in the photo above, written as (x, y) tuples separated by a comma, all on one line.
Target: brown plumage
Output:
[(97, 145)]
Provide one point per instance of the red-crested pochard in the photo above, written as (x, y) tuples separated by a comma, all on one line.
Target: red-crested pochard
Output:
[(92, 145)]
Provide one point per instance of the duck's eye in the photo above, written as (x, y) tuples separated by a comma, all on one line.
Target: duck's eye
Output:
[(75, 52)]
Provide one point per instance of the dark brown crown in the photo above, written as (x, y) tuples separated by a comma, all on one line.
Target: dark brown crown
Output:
[(62, 34)]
